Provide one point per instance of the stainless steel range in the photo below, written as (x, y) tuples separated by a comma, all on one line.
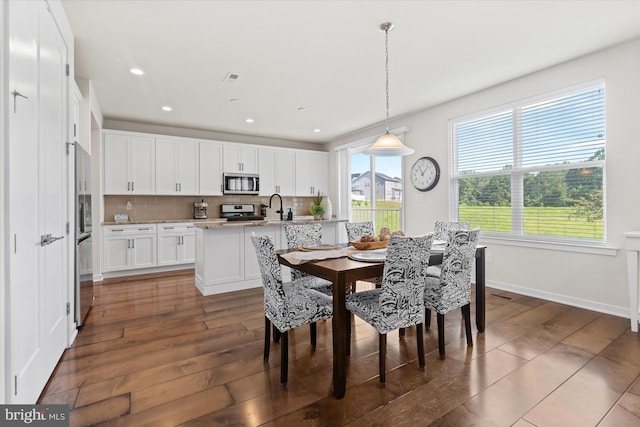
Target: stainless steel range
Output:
[(241, 212)]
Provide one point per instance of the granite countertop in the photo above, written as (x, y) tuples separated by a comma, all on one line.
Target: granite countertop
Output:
[(222, 222)]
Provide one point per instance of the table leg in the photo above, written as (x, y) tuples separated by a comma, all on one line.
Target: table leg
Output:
[(338, 323), (480, 289)]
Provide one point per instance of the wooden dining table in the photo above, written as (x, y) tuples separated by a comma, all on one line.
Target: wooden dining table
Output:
[(343, 271)]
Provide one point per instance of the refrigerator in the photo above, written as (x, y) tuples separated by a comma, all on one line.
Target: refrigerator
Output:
[(84, 252)]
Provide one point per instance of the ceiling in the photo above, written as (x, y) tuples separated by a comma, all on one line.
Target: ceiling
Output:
[(305, 65)]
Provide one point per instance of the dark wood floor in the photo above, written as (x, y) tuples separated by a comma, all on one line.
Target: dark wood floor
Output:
[(155, 352)]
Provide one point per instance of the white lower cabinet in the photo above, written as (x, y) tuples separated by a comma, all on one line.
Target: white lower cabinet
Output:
[(129, 247), (226, 259), (176, 243)]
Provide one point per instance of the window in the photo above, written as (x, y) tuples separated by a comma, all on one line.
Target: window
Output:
[(534, 169)]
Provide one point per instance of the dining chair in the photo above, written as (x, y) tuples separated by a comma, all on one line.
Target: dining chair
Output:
[(441, 231), (399, 302), (300, 235), (355, 230), (453, 288), (286, 306)]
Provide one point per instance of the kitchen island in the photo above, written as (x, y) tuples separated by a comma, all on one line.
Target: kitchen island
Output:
[(225, 257)]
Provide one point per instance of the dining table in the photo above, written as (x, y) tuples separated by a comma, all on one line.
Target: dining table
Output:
[(344, 271)]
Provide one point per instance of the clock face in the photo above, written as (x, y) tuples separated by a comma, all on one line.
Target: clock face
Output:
[(425, 173)]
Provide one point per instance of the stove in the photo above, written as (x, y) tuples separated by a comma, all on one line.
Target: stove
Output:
[(240, 212)]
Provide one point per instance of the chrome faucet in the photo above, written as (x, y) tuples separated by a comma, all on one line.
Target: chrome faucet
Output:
[(281, 211)]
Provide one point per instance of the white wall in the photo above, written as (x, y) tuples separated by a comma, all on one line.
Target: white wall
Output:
[(4, 144), (588, 280)]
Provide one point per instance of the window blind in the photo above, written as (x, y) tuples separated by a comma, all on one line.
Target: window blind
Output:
[(535, 169)]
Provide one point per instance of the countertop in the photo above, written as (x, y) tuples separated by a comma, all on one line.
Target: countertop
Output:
[(222, 222)]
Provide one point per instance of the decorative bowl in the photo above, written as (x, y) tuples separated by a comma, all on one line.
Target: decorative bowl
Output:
[(365, 246)]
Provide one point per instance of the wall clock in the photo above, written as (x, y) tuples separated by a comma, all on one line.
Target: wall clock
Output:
[(425, 173)]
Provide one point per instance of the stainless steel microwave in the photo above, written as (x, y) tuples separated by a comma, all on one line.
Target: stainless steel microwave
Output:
[(235, 183)]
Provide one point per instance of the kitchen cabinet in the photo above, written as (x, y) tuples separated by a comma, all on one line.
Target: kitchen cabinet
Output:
[(311, 173), (176, 243), (129, 164), (129, 247), (251, 266), (210, 169), (240, 158), (277, 172), (177, 164)]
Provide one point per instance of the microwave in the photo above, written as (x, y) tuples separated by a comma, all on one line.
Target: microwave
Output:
[(235, 183)]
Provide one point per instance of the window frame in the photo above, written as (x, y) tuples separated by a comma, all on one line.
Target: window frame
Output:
[(517, 237)]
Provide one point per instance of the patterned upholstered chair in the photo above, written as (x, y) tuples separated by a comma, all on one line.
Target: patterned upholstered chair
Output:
[(355, 230), (304, 234), (441, 230), (399, 303), (286, 306), (453, 288)]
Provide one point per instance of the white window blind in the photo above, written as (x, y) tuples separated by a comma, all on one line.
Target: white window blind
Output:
[(536, 168)]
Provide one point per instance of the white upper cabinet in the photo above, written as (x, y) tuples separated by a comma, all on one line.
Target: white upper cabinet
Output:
[(210, 168), (241, 159), (277, 172), (311, 174), (177, 166), (129, 164)]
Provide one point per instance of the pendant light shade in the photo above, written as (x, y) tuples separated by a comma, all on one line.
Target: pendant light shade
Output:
[(388, 144)]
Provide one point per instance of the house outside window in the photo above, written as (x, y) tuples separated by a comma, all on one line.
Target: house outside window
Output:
[(535, 169)]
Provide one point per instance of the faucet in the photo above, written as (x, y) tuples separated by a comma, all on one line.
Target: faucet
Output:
[(281, 211)]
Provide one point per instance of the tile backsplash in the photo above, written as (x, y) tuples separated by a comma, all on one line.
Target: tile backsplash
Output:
[(150, 208)]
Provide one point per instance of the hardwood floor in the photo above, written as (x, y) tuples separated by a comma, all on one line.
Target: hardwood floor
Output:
[(155, 352)]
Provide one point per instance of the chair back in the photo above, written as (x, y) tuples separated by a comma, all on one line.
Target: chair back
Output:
[(405, 272), (299, 235), (274, 296), (355, 230), (441, 228), (457, 263)]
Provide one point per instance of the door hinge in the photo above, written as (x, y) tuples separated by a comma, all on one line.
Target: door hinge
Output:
[(68, 308), (67, 69), (68, 227), (68, 144)]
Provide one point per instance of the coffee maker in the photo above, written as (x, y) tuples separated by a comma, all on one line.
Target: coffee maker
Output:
[(200, 210)]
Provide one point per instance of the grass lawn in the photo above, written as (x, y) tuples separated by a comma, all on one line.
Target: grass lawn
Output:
[(537, 221)]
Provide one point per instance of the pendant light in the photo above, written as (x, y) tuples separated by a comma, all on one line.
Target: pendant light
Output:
[(388, 144)]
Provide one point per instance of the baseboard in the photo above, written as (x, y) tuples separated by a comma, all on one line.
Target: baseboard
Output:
[(98, 277), (562, 299), (138, 271)]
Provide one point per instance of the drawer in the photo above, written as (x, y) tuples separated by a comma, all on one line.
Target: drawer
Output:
[(128, 229)]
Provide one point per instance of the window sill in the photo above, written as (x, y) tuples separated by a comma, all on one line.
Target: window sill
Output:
[(554, 246)]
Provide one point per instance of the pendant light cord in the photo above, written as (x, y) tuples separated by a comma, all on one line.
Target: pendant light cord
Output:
[(386, 70)]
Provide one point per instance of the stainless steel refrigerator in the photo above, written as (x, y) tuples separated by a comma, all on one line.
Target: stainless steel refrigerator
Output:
[(84, 253)]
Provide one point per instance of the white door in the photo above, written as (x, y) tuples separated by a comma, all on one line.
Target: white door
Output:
[(37, 194)]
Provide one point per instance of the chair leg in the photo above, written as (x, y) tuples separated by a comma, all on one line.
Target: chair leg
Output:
[(427, 318), (401, 332), (276, 334), (420, 346), (440, 319), (284, 359), (466, 312), (382, 344), (267, 338), (312, 326)]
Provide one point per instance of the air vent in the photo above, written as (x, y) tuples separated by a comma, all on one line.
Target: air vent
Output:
[(230, 78)]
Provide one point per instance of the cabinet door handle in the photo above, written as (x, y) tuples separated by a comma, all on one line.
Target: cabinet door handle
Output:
[(117, 229), (132, 183), (180, 186), (182, 240), (128, 185), (143, 229), (133, 243), (128, 243)]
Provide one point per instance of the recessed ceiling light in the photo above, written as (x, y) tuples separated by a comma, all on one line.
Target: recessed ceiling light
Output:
[(316, 130), (249, 120), (230, 77), (167, 108), (302, 109), (136, 71), (234, 100)]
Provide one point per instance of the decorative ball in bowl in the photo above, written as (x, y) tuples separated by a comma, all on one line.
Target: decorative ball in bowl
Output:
[(365, 246)]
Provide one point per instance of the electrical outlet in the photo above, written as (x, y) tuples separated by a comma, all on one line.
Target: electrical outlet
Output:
[(128, 205), (489, 258)]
